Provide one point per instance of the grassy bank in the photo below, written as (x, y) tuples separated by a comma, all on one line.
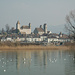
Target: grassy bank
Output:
[(18, 46)]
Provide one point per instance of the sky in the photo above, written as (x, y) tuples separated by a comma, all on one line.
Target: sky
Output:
[(36, 12)]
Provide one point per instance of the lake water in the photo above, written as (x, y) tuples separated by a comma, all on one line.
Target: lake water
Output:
[(56, 62)]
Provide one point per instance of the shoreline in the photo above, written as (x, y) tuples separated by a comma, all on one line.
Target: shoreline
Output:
[(18, 46), (35, 47)]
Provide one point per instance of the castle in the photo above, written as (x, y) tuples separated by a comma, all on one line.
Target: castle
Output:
[(23, 29), (27, 29)]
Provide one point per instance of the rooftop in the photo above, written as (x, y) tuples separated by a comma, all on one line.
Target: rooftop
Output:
[(39, 29), (25, 27)]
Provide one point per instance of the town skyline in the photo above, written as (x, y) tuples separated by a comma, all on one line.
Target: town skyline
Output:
[(32, 30), (52, 12)]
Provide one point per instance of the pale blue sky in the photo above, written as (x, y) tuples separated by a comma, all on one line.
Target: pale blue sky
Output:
[(37, 12)]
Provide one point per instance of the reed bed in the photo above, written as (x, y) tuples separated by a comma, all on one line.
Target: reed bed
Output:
[(34, 47), (18, 46)]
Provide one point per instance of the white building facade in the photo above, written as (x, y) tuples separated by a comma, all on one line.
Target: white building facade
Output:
[(23, 29)]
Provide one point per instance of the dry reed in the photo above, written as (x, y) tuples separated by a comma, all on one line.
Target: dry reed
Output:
[(18, 46), (34, 47)]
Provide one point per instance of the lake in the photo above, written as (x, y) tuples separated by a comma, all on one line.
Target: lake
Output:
[(42, 62)]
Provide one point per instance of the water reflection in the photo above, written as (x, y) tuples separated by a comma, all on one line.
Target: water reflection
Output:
[(37, 62)]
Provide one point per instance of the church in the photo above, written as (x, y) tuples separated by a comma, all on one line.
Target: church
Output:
[(25, 29), (41, 30)]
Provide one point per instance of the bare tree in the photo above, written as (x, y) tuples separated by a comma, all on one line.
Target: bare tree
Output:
[(7, 28), (70, 23)]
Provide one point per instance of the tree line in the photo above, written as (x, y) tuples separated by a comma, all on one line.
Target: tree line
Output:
[(8, 30)]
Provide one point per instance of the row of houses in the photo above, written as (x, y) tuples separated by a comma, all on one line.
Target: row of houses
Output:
[(48, 38)]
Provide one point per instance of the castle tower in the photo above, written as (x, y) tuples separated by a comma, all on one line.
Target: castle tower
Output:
[(45, 28), (30, 25), (18, 25)]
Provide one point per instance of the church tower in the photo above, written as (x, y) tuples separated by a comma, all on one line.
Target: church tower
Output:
[(45, 28), (18, 25)]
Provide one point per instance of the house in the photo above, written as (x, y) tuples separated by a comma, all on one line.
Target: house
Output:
[(51, 39), (3, 39), (53, 35), (8, 38), (49, 32), (57, 38), (41, 30), (43, 37), (33, 38), (21, 38)]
